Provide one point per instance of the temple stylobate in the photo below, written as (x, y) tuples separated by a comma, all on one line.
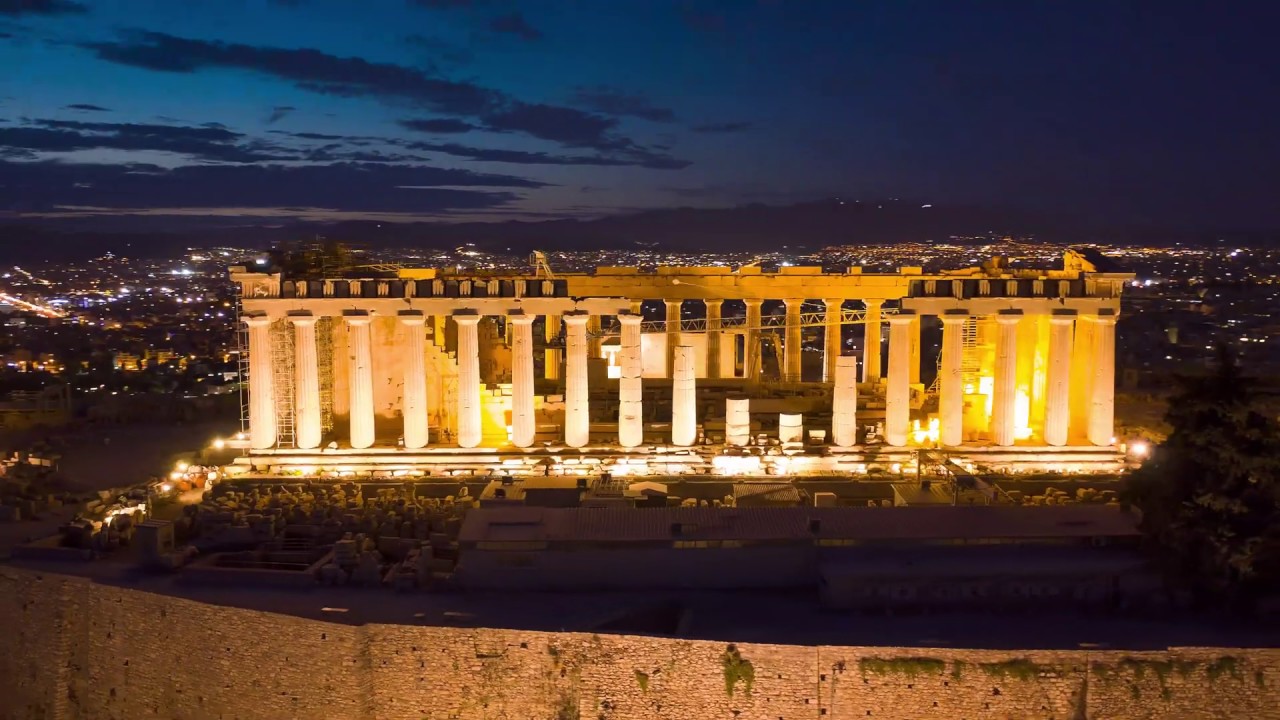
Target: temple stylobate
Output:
[(680, 369)]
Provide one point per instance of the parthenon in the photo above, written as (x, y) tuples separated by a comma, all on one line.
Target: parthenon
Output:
[(413, 368)]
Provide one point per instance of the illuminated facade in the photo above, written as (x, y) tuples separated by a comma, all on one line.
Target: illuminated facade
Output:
[(425, 368)]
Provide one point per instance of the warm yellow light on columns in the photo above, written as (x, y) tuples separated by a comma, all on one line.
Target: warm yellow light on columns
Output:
[(1057, 417), (1004, 394), (951, 379), (832, 343), (897, 400), (753, 339), (792, 342), (306, 383), (361, 344), (871, 342), (577, 417), (1102, 395), (262, 396), (470, 431), (523, 427), (414, 404)]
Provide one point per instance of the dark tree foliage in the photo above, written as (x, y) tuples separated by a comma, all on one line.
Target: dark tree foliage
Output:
[(1210, 496)]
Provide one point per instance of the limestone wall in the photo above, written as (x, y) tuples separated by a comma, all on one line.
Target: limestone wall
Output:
[(77, 650)]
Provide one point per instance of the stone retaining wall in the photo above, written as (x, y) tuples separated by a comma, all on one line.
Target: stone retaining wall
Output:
[(73, 649)]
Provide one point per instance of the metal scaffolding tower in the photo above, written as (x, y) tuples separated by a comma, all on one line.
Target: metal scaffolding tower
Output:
[(324, 364), (242, 365), (282, 369)]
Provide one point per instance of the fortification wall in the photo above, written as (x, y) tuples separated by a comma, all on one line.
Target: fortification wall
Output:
[(77, 650)]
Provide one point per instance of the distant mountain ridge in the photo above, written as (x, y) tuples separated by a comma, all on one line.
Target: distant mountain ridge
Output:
[(811, 226)]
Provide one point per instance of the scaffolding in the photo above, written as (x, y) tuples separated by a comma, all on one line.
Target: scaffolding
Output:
[(970, 357), (324, 366), (282, 356)]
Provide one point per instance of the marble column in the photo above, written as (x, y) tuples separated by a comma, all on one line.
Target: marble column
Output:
[(833, 343), (361, 405), (752, 371), (951, 379), (470, 429), (737, 421), (713, 338), (306, 381), (673, 333), (577, 418), (413, 405), (262, 395), (1004, 401), (871, 342), (630, 410), (791, 344), (913, 367), (523, 426), (897, 399), (1057, 411), (1102, 396), (684, 399), (844, 402)]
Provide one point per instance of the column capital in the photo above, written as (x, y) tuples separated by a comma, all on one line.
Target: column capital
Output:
[(902, 317), (412, 318), (793, 301), (954, 316), (256, 321), (576, 318), (356, 318), (838, 302), (1008, 316), (1104, 316), (629, 318), (520, 317), (466, 316), (301, 318), (873, 303), (1062, 316), (753, 301)]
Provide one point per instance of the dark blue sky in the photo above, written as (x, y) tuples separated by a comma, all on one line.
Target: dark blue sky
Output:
[(1161, 111)]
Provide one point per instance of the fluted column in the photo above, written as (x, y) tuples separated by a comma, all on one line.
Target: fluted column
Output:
[(684, 399), (871, 342), (361, 345), (523, 427), (713, 337), (897, 399), (630, 410), (844, 402), (1004, 399), (577, 418), (1057, 411), (262, 394), (673, 333), (951, 379), (913, 367), (791, 343), (413, 405), (833, 345), (752, 372), (470, 430), (1102, 396), (306, 381)]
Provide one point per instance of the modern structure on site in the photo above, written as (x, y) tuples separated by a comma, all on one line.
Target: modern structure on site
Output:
[(414, 369)]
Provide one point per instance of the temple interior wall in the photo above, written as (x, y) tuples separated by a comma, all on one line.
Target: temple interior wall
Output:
[(75, 649)]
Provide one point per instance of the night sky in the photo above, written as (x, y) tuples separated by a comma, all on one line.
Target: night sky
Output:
[(1160, 111)]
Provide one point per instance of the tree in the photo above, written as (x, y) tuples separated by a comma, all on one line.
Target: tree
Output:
[(1210, 495)]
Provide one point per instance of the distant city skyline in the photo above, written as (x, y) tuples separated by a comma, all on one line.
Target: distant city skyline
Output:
[(271, 111)]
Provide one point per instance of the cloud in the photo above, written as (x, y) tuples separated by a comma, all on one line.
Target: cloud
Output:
[(728, 127), (279, 112), (514, 24), (442, 4), (521, 157), (614, 101), (439, 125), (48, 186), (204, 142), (86, 107), (320, 72), (14, 8), (440, 50)]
